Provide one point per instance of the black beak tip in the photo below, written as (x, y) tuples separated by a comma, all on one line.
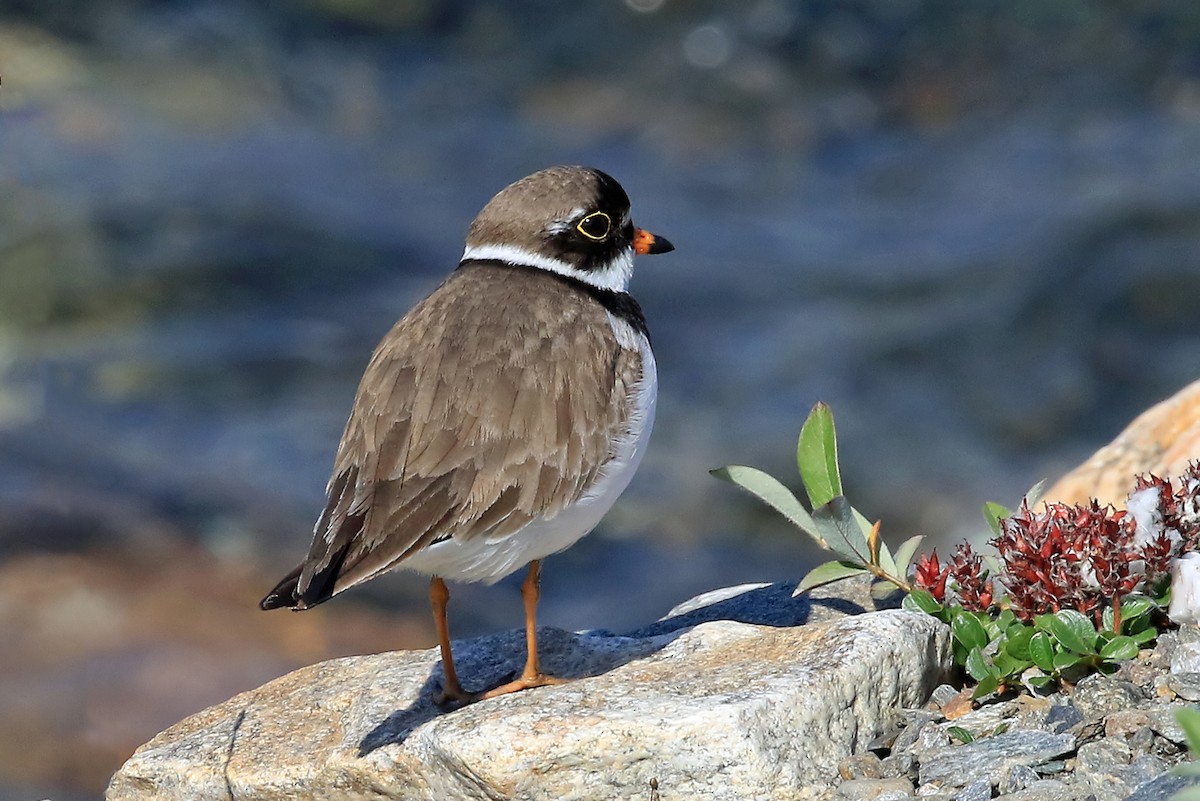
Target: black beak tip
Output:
[(661, 245)]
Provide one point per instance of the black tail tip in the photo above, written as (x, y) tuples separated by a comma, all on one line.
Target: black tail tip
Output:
[(284, 595)]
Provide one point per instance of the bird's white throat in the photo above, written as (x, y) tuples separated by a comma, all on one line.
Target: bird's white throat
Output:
[(613, 276)]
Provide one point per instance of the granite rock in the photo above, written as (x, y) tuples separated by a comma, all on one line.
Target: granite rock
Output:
[(722, 710)]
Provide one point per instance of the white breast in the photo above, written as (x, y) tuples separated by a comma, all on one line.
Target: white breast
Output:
[(488, 561)]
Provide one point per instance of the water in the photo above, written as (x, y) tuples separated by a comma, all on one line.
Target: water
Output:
[(211, 212)]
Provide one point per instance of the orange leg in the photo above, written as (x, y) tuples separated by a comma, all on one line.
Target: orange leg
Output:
[(532, 676), (452, 690)]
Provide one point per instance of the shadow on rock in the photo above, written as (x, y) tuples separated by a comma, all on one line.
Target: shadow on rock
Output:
[(495, 659), (773, 605)]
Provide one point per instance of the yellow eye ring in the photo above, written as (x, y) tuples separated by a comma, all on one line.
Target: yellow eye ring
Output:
[(595, 226)]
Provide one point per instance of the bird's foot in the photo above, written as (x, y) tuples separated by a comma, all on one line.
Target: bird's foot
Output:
[(525, 682), (454, 698)]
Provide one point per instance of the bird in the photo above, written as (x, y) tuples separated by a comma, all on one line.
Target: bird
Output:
[(499, 420)]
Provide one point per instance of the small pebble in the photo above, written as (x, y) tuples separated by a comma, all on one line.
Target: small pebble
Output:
[(1098, 695), (943, 694), (1102, 756), (1125, 723), (1045, 790), (978, 790), (901, 765), (1062, 717), (1017, 777), (1185, 685), (860, 766), (875, 790)]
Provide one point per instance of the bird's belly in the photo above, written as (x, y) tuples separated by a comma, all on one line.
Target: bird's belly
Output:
[(479, 559)]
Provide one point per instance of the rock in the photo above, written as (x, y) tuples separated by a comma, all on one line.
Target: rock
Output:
[(899, 766), (1185, 655), (875, 790), (723, 710), (861, 766), (1126, 723), (1164, 724), (1062, 717), (956, 766), (1099, 695), (979, 790), (1162, 440), (985, 720), (1017, 777), (1185, 685), (1102, 756), (1161, 788), (1046, 790)]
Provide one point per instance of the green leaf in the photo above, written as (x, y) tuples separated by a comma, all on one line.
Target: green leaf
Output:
[(1188, 719), (1066, 659), (1120, 648), (1016, 642), (960, 734), (986, 687), (1008, 665), (816, 456), (773, 493), (1073, 631), (905, 553), (1135, 607), (924, 602), (837, 527), (977, 666), (1006, 619), (1041, 651), (1144, 636), (993, 513), (1039, 682), (967, 629), (823, 574)]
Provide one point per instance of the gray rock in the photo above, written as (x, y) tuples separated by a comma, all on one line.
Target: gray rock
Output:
[(986, 720), (979, 790), (1160, 788), (1047, 790), (1102, 756), (916, 722), (944, 693), (725, 710), (1163, 723), (1017, 777), (1098, 695), (861, 766), (875, 790), (1185, 655), (900, 765), (956, 766), (1062, 717), (1184, 684)]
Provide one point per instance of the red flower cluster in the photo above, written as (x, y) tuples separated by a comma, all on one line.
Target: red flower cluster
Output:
[(1064, 557), (1177, 510), (971, 585), (1075, 557)]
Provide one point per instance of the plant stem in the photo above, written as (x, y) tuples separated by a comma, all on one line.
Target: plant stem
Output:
[(1116, 606)]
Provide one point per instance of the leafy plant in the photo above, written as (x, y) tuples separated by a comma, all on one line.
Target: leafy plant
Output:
[(834, 525), (1073, 588), (999, 651)]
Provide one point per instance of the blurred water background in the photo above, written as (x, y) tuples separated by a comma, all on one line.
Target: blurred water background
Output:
[(972, 226)]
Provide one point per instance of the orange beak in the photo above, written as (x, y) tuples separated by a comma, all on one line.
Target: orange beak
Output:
[(645, 242)]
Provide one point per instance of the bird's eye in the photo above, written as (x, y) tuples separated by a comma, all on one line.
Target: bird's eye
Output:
[(595, 226)]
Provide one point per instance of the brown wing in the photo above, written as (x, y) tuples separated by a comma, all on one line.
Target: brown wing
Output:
[(492, 403)]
